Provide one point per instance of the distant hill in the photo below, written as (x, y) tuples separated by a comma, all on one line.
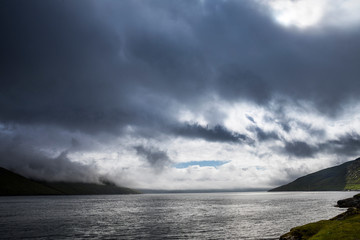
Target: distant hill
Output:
[(15, 184), (342, 177), (88, 188), (12, 184)]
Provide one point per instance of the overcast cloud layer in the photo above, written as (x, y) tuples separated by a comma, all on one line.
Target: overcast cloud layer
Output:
[(128, 89)]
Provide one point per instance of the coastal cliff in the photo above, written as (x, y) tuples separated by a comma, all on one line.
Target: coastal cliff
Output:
[(345, 226)]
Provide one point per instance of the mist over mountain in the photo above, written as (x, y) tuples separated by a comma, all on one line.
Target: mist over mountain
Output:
[(12, 184), (339, 178)]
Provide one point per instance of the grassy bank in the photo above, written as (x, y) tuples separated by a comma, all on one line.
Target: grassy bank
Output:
[(345, 226)]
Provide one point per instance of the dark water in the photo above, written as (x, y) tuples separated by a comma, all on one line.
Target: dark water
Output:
[(164, 216)]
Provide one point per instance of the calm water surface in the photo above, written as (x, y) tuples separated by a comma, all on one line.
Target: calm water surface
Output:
[(164, 216)]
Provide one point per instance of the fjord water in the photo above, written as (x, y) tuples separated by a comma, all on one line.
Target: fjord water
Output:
[(258, 215)]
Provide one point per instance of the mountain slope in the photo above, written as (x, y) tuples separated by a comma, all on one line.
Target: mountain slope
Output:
[(353, 176), (15, 184), (88, 188), (342, 177), (12, 184)]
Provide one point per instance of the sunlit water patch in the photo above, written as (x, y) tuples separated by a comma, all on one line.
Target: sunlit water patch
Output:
[(164, 216)]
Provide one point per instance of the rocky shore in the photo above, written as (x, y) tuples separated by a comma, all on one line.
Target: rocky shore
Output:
[(345, 226), (353, 202)]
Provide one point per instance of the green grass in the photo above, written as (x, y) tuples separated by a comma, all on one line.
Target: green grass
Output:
[(306, 231), (352, 187), (345, 229)]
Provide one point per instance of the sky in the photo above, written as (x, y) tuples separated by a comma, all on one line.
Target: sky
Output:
[(168, 94)]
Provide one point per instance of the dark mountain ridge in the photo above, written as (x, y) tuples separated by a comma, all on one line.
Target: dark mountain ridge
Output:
[(339, 178), (13, 184)]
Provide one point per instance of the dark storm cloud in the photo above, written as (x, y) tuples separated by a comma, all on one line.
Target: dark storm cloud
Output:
[(235, 83), (251, 119), (99, 66), (156, 158), (300, 149), (216, 134), (288, 124), (33, 163), (348, 145), (54, 65), (264, 135), (344, 145), (285, 126)]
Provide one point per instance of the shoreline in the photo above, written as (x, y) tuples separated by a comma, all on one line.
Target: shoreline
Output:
[(343, 226)]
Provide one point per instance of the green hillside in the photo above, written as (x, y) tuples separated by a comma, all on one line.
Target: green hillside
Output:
[(12, 184), (342, 177), (353, 176)]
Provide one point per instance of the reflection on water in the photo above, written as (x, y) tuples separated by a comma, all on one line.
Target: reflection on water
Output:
[(164, 216)]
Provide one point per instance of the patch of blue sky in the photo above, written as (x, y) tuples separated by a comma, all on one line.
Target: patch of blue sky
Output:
[(260, 168), (206, 163)]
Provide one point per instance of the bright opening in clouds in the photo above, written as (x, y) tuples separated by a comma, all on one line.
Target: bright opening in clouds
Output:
[(167, 94), (301, 13), (307, 13), (209, 163)]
